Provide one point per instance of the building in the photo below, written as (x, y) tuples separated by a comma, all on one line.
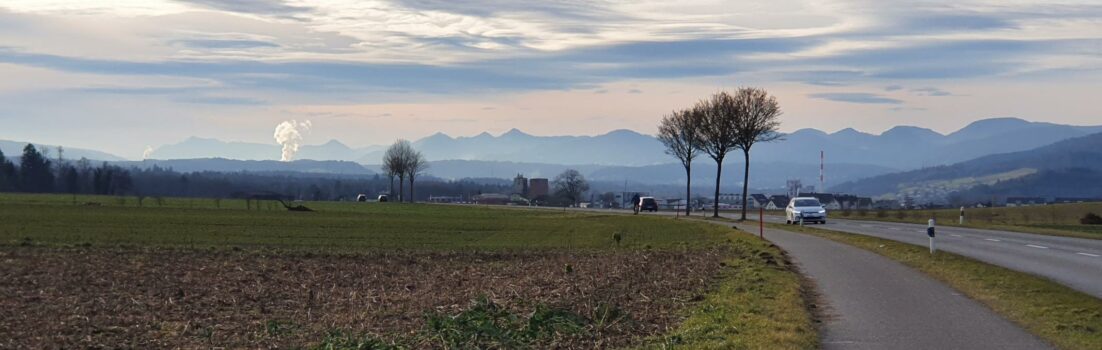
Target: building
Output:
[(520, 185), (757, 200), (1024, 201), (826, 199), (730, 198), (1062, 200), (445, 199), (794, 188), (492, 199), (538, 188), (777, 202)]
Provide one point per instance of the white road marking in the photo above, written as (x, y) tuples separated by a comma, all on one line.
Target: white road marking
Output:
[(1036, 246), (956, 235), (1089, 254), (992, 239)]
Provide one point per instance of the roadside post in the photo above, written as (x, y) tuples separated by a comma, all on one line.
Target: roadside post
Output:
[(930, 232), (761, 222), (962, 215), (801, 220)]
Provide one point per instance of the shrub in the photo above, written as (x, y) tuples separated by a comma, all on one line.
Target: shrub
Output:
[(1091, 219)]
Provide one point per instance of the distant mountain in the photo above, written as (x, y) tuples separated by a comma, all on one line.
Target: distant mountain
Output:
[(15, 149), (198, 147), (907, 147), (762, 174), (619, 147), (902, 147), (233, 165), (1014, 172)]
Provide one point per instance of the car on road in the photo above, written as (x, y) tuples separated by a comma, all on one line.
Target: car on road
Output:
[(806, 209), (383, 198), (648, 204)]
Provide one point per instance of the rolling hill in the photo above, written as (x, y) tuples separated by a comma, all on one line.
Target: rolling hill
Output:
[(1058, 169)]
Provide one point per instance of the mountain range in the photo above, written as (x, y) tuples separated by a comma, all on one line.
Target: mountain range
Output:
[(1069, 168), (15, 149), (625, 155), (902, 147)]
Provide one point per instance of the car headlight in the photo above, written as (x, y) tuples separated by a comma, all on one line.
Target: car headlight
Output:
[(795, 212), (822, 211)]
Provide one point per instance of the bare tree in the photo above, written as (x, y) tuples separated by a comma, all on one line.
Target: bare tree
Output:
[(678, 132), (415, 164), (718, 133), (571, 185), (757, 120), (395, 162)]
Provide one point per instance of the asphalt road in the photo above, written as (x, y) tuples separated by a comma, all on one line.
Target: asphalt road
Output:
[(1074, 262), (873, 302)]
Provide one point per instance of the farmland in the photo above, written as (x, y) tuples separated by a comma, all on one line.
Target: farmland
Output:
[(111, 271)]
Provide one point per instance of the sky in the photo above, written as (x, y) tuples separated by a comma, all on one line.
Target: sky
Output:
[(121, 76)]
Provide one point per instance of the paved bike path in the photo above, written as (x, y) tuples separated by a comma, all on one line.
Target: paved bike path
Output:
[(874, 302)]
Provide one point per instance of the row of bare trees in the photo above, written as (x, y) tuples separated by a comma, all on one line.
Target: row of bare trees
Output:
[(721, 124), (402, 161)]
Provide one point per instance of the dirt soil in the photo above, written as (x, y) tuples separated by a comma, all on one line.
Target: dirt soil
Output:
[(163, 298)]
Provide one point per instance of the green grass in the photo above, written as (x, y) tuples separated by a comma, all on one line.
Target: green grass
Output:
[(1055, 220), (761, 304), (54, 220), (1065, 317)]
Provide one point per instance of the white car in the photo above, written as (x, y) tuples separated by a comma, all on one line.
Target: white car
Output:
[(806, 208)]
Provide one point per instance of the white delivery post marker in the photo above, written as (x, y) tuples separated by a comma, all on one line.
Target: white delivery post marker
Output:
[(930, 232)]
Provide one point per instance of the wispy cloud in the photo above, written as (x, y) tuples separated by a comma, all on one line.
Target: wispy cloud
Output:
[(855, 97)]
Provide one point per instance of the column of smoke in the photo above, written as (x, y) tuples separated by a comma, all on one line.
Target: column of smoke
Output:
[(148, 152), (289, 134)]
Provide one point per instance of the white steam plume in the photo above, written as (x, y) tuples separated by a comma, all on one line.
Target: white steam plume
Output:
[(147, 153), (289, 134)]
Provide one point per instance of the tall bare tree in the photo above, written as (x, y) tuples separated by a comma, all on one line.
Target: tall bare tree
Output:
[(679, 132), (571, 185), (415, 165), (395, 162), (718, 133), (758, 116)]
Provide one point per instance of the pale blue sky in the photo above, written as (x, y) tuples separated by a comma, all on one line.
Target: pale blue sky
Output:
[(121, 75)]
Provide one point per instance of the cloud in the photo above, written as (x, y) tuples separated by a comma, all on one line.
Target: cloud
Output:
[(855, 97), (222, 100), (224, 44), (931, 91), (893, 88), (635, 91), (260, 7)]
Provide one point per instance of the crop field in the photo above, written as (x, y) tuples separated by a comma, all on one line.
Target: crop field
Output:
[(187, 273), (1055, 219)]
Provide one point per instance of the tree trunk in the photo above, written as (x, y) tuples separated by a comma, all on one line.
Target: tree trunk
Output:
[(688, 186), (391, 192), (401, 189), (715, 203), (745, 181), (411, 198)]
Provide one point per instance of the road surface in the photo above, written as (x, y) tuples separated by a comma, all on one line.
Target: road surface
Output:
[(874, 302), (1073, 262)]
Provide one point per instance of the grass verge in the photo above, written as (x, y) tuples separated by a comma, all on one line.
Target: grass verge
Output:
[(1065, 317), (761, 304), (1052, 220)]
